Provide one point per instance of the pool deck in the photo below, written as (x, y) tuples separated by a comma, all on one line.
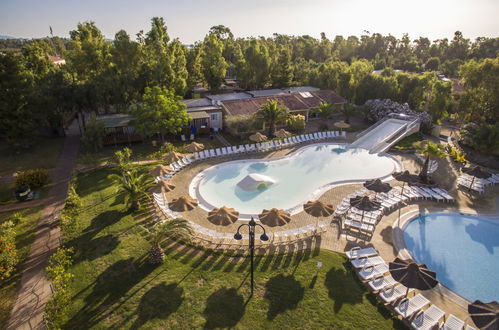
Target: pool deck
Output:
[(382, 239)]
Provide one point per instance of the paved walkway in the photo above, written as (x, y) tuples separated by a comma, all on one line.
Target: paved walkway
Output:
[(34, 291)]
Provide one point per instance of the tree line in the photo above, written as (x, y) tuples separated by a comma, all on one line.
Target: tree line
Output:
[(107, 76)]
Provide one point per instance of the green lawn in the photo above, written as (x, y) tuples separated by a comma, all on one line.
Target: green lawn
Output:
[(115, 287), (408, 142), (25, 234), (141, 151), (42, 154)]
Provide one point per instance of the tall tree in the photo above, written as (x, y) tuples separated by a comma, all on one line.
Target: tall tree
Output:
[(212, 61), (282, 70), (429, 150), (257, 65)]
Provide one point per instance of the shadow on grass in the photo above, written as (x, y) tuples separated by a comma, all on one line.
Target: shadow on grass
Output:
[(343, 289), (224, 309), (283, 293), (109, 287), (158, 303)]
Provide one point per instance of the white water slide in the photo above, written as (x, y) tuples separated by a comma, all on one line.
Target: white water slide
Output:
[(385, 133)]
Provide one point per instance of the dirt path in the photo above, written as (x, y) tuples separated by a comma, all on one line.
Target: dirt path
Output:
[(34, 291)]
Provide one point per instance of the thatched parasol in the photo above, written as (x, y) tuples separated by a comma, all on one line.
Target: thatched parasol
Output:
[(160, 170), (476, 172), (406, 177), (318, 209), (341, 125), (282, 133), (377, 186), (412, 274), (258, 137), (223, 216), (274, 217), (182, 204), (365, 204), (485, 316), (172, 157), (194, 147)]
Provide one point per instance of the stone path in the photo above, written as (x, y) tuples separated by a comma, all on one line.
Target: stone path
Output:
[(34, 290)]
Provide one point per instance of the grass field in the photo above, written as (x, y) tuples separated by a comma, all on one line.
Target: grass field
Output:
[(115, 287), (42, 154), (25, 234)]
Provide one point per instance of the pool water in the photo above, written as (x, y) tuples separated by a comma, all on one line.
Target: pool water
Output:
[(297, 177), (462, 249)]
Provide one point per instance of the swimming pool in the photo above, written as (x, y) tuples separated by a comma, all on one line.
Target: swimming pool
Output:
[(286, 182), (462, 249)]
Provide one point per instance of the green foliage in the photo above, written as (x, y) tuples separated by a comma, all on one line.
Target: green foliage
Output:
[(213, 63), (55, 313), (69, 213), (178, 228), (134, 185), (160, 112), (456, 155), (93, 137), (296, 123), (324, 110), (35, 179), (124, 159), (482, 137), (272, 113), (429, 150), (236, 125), (409, 142), (8, 252), (165, 148), (432, 64), (282, 68)]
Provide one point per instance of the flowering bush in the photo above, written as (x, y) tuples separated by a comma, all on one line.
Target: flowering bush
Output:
[(33, 178), (8, 251), (296, 123), (378, 109)]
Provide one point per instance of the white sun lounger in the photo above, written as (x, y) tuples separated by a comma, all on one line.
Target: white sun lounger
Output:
[(357, 252), (370, 272), (380, 282), (367, 261), (212, 153), (426, 320), (452, 323), (391, 294), (407, 307), (361, 226)]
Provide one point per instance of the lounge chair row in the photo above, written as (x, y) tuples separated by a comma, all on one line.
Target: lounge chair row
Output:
[(466, 182), (162, 204), (417, 310), (267, 146), (366, 221)]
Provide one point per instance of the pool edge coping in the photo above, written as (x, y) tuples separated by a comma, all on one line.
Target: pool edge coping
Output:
[(203, 204), (401, 223)]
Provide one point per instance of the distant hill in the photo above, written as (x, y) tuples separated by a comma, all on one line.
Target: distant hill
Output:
[(8, 37)]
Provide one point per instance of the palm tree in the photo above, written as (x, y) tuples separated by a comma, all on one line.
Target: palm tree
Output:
[(271, 113), (134, 185), (348, 111), (175, 227), (324, 110), (429, 150)]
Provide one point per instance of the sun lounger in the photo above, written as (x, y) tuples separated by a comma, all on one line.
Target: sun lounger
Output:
[(426, 320), (452, 323), (407, 307), (391, 294), (367, 261), (343, 134), (358, 225), (218, 151), (380, 282), (357, 252), (370, 272)]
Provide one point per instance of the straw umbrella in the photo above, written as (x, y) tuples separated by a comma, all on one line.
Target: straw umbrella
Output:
[(476, 172), (223, 216), (405, 177), (318, 209), (182, 204), (160, 170), (274, 217), (194, 147), (258, 137), (377, 186), (172, 157), (412, 274), (282, 133), (485, 316), (341, 125), (365, 204)]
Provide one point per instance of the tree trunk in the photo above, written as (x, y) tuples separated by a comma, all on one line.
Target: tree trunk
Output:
[(271, 129), (156, 254), (423, 175), (135, 205)]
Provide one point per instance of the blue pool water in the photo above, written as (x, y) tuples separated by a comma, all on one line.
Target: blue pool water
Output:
[(296, 177), (462, 249)]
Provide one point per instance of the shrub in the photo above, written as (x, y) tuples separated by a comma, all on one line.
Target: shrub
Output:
[(482, 137), (296, 123), (73, 201), (93, 137), (33, 178), (236, 125), (56, 308), (8, 252)]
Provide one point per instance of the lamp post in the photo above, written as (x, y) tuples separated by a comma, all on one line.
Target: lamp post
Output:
[(251, 228)]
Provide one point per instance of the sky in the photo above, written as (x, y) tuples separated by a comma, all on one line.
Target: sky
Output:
[(190, 20)]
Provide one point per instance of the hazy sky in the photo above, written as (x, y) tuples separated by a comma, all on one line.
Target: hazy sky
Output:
[(190, 20)]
